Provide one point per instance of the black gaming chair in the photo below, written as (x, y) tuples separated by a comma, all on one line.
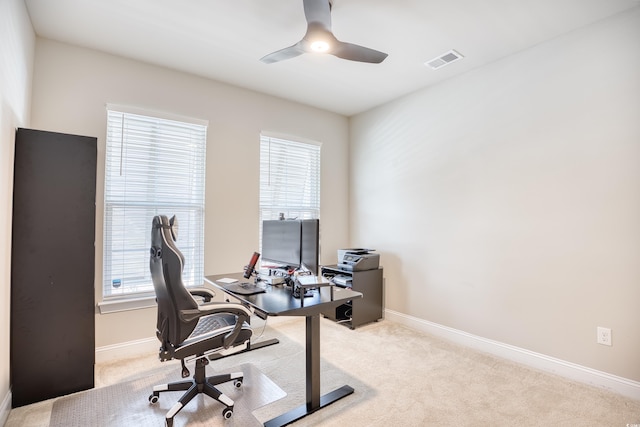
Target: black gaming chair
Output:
[(188, 330)]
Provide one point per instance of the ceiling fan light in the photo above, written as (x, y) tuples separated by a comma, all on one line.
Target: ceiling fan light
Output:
[(320, 46)]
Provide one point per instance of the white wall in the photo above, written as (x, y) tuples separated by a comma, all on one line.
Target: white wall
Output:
[(71, 87), (506, 201), (17, 42)]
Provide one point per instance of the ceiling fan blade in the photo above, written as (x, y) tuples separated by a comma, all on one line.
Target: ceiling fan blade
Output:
[(282, 54), (319, 38), (318, 12), (353, 52)]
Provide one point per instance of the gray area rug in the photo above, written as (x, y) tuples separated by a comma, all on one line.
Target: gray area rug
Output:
[(126, 404)]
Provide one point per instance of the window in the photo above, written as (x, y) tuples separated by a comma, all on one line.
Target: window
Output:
[(154, 166), (289, 179)]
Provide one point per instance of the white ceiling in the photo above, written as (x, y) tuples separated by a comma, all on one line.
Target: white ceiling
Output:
[(224, 39)]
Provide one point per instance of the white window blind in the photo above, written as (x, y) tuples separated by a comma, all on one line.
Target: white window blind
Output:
[(154, 166), (289, 179)]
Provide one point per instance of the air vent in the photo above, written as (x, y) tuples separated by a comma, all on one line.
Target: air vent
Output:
[(444, 59)]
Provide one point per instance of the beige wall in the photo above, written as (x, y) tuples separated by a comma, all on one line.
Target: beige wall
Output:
[(70, 89), (510, 198), (17, 42)]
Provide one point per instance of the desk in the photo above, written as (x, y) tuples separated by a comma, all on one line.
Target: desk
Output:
[(279, 301)]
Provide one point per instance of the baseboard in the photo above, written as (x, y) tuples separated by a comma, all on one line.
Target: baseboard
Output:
[(5, 408), (127, 349), (616, 384)]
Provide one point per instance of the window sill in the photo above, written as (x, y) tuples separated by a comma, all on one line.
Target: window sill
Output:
[(118, 305)]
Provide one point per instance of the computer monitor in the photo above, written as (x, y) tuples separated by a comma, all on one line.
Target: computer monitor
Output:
[(310, 244), (281, 242)]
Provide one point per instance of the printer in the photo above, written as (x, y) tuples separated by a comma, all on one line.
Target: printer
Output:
[(358, 259)]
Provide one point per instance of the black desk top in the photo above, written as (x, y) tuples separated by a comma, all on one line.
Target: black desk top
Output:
[(279, 300)]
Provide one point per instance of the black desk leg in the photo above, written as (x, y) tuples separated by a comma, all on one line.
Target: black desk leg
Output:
[(313, 361), (314, 400)]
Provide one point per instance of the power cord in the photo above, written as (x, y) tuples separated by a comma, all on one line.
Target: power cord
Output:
[(348, 315)]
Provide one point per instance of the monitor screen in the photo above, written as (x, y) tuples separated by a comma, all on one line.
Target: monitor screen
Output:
[(311, 244), (281, 242)]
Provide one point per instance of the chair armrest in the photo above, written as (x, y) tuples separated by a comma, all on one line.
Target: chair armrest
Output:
[(223, 307), (243, 317), (206, 293), (213, 308), (239, 310)]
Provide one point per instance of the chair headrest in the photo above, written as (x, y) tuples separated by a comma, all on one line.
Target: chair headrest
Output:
[(173, 226), (162, 222)]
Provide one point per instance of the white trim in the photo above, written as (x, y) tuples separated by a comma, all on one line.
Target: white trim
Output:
[(620, 385), (292, 138), (127, 349), (5, 408), (155, 113), (126, 304)]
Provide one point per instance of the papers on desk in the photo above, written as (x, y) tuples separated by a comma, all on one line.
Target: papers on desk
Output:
[(312, 280), (226, 280)]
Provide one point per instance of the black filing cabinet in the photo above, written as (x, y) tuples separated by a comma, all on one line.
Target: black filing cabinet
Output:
[(52, 266)]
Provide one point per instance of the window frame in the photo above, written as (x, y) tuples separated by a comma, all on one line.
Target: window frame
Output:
[(307, 209), (191, 226)]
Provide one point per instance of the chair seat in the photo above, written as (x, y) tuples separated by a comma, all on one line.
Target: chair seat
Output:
[(212, 323), (208, 335)]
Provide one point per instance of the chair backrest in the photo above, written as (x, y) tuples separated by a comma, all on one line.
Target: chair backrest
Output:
[(166, 264)]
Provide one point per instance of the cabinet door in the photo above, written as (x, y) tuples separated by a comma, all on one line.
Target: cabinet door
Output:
[(369, 307), (52, 266)]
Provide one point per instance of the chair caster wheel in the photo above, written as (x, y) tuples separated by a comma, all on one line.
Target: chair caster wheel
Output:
[(237, 383), (227, 413), (153, 399)]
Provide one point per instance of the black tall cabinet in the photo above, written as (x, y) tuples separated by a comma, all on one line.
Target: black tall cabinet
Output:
[(52, 265)]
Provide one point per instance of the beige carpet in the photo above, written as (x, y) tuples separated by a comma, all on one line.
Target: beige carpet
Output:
[(401, 378), (412, 379)]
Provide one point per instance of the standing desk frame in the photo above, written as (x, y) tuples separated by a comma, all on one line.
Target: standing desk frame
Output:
[(279, 301)]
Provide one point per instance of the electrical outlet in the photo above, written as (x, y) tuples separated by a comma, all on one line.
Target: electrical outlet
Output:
[(604, 336)]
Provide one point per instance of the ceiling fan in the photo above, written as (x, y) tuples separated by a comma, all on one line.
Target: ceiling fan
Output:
[(319, 38)]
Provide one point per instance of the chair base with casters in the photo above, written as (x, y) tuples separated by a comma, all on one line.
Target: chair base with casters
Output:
[(200, 383), (209, 333)]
